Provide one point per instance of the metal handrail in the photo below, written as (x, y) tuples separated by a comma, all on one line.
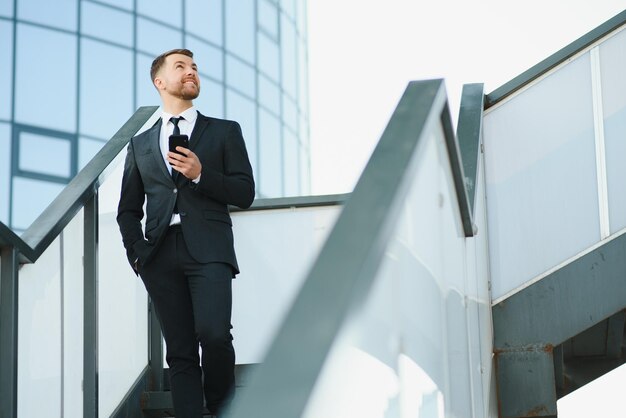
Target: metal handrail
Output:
[(363, 228), (469, 134), (40, 234), (555, 59)]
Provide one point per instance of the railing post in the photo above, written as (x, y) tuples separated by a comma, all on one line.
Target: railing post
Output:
[(90, 325), (8, 332)]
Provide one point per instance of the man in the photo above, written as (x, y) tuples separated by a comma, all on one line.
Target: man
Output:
[(186, 258)]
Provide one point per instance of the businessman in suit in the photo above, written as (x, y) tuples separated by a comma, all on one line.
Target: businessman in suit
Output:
[(186, 257)]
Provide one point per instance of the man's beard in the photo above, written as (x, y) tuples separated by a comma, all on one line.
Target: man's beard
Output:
[(189, 94)]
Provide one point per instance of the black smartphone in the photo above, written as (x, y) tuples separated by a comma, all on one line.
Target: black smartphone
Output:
[(178, 141)]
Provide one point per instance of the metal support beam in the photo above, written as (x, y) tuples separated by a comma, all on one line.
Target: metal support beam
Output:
[(526, 382), (575, 297), (90, 325), (8, 331)]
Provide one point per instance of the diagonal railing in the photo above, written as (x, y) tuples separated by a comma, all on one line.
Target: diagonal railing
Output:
[(81, 192), (344, 273)]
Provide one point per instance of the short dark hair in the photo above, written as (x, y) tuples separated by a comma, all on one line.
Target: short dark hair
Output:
[(158, 61)]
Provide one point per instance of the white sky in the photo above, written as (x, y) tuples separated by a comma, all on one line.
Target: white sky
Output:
[(362, 53)]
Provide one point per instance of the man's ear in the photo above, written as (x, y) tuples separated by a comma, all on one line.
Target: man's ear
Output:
[(158, 83)]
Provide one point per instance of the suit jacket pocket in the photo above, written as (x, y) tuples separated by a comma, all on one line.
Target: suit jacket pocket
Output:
[(142, 248), (214, 215)]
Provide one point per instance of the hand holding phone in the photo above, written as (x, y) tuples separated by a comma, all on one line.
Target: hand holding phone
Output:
[(178, 141)]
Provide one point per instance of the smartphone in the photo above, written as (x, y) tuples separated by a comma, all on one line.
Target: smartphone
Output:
[(178, 141)]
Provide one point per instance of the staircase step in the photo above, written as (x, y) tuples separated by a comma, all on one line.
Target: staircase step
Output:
[(158, 404)]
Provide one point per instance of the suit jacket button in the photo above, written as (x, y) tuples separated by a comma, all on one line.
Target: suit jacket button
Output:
[(175, 191)]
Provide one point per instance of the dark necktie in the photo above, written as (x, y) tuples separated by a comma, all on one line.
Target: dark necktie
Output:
[(176, 131), (175, 122)]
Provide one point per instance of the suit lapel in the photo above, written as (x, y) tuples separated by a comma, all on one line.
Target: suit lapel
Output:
[(153, 138), (201, 123)]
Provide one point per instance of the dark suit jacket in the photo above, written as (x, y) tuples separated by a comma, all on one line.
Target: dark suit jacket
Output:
[(207, 228)]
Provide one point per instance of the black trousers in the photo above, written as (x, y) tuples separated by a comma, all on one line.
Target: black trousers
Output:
[(193, 302)]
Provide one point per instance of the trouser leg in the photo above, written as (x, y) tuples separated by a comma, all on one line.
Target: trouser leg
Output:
[(168, 287), (210, 287)]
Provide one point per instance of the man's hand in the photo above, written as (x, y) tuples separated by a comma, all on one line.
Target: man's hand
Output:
[(189, 164)]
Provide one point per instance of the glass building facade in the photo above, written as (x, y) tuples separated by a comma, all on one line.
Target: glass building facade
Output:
[(73, 71)]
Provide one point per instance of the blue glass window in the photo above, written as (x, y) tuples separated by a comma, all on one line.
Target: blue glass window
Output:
[(289, 57), (211, 99), (269, 95), (303, 78), (292, 164), (268, 17), (5, 171), (268, 57), (96, 21), (271, 155), (240, 76), (6, 69), (243, 110), (147, 94), (124, 4), (210, 59), (166, 11), (290, 112), (240, 28), (204, 19), (116, 93), (6, 8), (46, 98), (301, 19), (30, 198), (156, 39), (87, 149), (289, 7), (304, 131), (305, 172), (46, 155), (58, 14)]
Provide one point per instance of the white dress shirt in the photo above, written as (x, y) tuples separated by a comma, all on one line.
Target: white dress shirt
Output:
[(186, 126)]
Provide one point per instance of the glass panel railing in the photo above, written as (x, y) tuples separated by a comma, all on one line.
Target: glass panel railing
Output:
[(387, 360), (613, 68), (275, 249), (122, 303), (542, 187), (40, 336), (381, 326), (295, 228), (50, 328), (554, 172), (48, 305), (72, 297)]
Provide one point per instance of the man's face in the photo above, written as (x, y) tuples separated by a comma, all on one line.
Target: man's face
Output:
[(178, 77)]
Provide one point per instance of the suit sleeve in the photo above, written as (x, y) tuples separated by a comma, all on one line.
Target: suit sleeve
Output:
[(130, 208), (234, 186)]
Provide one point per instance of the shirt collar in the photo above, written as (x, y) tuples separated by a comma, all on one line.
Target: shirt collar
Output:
[(190, 115)]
